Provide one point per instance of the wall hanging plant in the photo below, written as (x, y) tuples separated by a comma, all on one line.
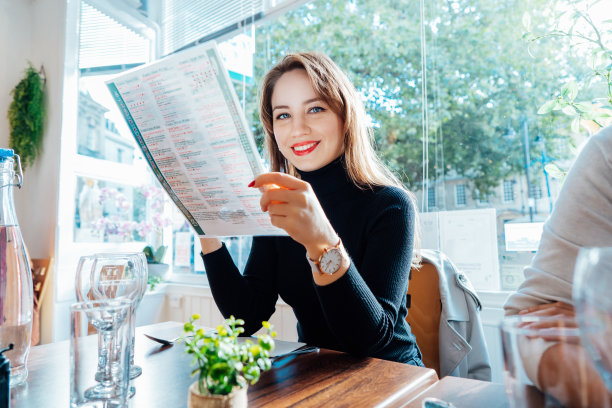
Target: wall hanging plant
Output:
[(26, 116)]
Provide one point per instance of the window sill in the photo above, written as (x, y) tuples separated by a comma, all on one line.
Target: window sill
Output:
[(198, 283)]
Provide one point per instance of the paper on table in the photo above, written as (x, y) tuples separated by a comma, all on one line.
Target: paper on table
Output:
[(184, 113), (280, 346)]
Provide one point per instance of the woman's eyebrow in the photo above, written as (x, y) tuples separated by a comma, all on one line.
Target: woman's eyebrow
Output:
[(306, 102)]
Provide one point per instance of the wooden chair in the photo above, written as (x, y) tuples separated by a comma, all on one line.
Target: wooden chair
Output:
[(424, 312), (41, 268)]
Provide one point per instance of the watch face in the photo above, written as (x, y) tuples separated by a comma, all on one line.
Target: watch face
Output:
[(331, 261)]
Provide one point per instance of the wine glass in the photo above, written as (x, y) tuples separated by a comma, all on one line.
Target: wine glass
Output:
[(113, 276), (592, 293), (110, 319)]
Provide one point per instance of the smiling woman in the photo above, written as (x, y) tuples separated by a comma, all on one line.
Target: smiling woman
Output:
[(306, 130), (351, 225)]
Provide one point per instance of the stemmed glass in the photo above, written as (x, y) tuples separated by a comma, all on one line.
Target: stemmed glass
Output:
[(109, 318), (592, 293), (113, 276)]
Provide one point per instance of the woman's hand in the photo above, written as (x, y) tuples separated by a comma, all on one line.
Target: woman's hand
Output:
[(294, 207)]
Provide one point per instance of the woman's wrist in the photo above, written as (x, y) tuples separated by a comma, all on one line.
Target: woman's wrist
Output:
[(210, 245), (316, 248)]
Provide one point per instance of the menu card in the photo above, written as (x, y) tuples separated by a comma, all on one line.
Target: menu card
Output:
[(185, 116)]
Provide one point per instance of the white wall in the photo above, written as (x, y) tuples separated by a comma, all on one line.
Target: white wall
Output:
[(15, 34), (34, 30)]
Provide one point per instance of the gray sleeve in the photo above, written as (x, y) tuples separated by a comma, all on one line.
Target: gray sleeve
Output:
[(479, 365), (582, 217)]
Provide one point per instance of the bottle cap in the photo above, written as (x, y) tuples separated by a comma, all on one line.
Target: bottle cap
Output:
[(7, 152)]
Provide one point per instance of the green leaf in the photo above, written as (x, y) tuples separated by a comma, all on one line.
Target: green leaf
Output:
[(547, 107), (569, 91), (555, 171), (576, 125), (526, 21), (569, 110)]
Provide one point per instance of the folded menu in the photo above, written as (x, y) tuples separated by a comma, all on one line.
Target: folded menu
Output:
[(185, 116)]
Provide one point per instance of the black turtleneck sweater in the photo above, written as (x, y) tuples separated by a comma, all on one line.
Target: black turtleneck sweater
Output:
[(363, 312)]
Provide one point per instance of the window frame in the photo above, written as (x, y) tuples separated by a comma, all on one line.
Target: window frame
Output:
[(74, 165)]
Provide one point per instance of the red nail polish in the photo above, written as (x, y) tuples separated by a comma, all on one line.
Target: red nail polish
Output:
[(252, 183)]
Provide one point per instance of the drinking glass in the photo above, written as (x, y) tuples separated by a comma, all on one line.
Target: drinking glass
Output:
[(114, 276), (524, 339), (111, 319), (592, 294)]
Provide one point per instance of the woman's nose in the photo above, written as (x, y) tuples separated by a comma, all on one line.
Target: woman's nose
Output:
[(299, 126)]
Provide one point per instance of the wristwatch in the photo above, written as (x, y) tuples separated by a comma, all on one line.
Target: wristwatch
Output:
[(330, 261)]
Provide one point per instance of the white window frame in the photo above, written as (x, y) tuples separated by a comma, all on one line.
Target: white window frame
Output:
[(73, 165)]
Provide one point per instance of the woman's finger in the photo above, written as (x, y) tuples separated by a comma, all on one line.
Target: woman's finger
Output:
[(547, 306), (280, 179), (275, 196)]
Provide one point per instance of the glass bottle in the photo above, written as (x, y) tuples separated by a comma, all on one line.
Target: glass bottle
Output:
[(16, 297)]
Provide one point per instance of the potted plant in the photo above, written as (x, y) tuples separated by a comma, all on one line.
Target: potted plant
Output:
[(225, 366), (157, 269), (26, 116)]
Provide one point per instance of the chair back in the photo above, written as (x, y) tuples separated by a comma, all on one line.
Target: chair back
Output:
[(41, 268), (424, 312)]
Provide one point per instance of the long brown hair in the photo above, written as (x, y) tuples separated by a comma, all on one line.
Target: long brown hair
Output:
[(332, 85)]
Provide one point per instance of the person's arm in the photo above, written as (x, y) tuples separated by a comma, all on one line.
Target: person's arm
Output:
[(582, 217), (294, 207), (564, 370), (566, 373), (209, 245), (252, 296), (365, 301), (362, 307)]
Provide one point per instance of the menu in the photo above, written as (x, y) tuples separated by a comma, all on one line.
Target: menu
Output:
[(469, 239), (184, 114)]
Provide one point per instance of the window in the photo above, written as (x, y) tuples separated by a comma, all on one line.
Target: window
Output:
[(508, 187), (536, 191), (431, 197), (460, 199), (442, 100), (111, 200)]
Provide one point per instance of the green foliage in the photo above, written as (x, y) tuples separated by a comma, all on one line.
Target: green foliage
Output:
[(26, 117), (155, 256), (481, 79), (576, 27), (223, 363), (153, 281)]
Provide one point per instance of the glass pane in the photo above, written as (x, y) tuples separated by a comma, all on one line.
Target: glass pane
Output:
[(113, 212), (458, 90), (465, 88), (101, 132)]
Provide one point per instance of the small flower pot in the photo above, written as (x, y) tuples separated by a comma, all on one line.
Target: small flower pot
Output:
[(235, 399), (162, 270)]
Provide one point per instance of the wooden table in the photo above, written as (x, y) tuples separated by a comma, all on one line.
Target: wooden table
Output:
[(327, 378), (464, 393)]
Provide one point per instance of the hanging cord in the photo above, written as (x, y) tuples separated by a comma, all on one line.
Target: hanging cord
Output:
[(440, 174), (424, 110), (42, 74)]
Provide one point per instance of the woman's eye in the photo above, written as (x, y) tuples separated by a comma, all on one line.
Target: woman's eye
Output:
[(282, 116), (316, 109)]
